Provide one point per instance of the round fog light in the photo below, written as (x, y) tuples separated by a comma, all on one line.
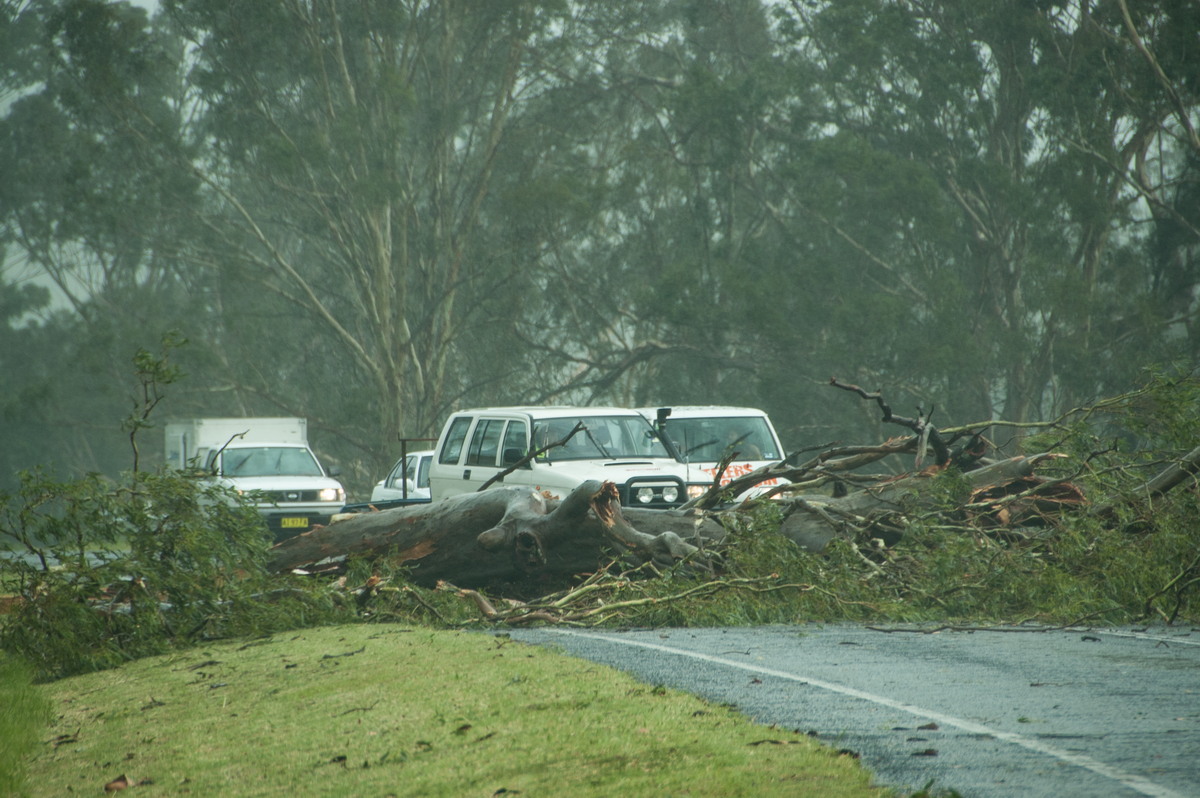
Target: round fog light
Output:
[(670, 494), (645, 495)]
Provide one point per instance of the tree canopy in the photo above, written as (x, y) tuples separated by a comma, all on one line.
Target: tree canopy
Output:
[(372, 213)]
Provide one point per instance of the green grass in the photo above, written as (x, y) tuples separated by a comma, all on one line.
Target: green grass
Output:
[(24, 712), (378, 710)]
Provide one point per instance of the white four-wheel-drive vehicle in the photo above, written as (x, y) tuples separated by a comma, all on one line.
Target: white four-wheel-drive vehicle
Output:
[(704, 435), (266, 457), (407, 481), (610, 444)]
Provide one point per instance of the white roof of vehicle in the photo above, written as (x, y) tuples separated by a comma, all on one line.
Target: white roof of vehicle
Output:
[(554, 411), (704, 411)]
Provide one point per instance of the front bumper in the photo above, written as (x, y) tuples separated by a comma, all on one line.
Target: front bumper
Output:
[(653, 493)]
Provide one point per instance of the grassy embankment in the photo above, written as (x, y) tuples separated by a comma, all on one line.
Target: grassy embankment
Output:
[(24, 711), (378, 710)]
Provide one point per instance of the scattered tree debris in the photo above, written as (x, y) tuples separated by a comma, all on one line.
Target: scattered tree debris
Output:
[(589, 549)]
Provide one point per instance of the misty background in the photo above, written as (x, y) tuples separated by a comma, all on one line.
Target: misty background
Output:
[(372, 213)]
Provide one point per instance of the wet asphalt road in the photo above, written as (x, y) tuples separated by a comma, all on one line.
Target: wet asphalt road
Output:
[(1058, 713)]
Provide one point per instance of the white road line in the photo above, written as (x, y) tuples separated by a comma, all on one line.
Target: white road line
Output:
[(1141, 636), (1130, 780)]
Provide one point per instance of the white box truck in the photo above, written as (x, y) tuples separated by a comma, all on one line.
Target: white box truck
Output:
[(268, 455)]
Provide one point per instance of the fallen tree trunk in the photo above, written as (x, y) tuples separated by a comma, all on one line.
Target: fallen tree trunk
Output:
[(524, 539), (505, 535), (1183, 470), (1003, 493), (1186, 468), (519, 537)]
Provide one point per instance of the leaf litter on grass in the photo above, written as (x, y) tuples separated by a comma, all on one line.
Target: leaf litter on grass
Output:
[(379, 710)]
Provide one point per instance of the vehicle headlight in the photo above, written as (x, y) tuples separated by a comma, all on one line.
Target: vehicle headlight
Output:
[(670, 494), (331, 495), (696, 491), (645, 495)]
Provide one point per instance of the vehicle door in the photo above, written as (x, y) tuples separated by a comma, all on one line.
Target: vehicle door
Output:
[(446, 473), (495, 444)]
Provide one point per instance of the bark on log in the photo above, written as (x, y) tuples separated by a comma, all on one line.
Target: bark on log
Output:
[(504, 535)]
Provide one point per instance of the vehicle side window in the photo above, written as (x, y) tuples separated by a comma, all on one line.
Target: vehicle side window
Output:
[(452, 448), (516, 443), (423, 472), (485, 442)]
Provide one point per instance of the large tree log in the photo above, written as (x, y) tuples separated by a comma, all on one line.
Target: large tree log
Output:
[(504, 535), (518, 537)]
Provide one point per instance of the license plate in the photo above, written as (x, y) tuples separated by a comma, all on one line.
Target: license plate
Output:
[(293, 523)]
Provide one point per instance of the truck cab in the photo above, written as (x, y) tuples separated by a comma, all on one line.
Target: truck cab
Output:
[(269, 455), (611, 444), (292, 490), (704, 434)]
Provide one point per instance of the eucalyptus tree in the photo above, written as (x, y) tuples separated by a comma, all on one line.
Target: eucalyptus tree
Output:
[(367, 212), (352, 156), (1164, 165), (673, 90), (694, 225), (301, 187), (87, 145), (379, 209), (975, 165)]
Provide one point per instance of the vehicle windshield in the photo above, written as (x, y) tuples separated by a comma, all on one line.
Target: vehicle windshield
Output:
[(602, 438), (706, 440), (270, 461)]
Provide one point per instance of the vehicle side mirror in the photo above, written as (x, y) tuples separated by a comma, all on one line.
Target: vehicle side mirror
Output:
[(335, 471), (512, 456)]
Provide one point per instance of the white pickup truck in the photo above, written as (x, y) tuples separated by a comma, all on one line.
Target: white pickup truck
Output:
[(267, 457), (704, 434), (612, 444)]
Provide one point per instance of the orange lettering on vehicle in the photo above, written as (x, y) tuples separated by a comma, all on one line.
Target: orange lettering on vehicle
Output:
[(736, 470)]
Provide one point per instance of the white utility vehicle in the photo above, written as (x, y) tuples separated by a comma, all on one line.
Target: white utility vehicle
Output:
[(704, 435), (407, 481), (267, 456), (613, 444)]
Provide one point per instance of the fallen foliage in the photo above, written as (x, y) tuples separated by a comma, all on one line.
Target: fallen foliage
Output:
[(1095, 523)]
